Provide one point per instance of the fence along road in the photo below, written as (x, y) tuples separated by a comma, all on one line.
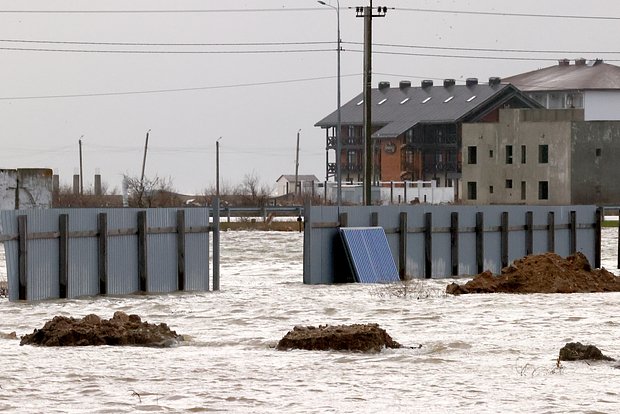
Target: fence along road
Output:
[(68, 253)]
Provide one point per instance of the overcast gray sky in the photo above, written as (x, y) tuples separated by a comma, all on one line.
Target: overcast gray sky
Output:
[(255, 101)]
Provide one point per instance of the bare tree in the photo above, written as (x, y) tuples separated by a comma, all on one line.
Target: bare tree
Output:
[(151, 192), (252, 191)]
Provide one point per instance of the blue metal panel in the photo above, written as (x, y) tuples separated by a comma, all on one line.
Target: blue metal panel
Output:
[(369, 254)]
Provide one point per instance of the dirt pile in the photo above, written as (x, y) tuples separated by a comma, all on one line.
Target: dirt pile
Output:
[(542, 273), (358, 337), (122, 329), (575, 351)]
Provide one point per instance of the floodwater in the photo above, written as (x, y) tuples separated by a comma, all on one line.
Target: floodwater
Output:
[(479, 353)]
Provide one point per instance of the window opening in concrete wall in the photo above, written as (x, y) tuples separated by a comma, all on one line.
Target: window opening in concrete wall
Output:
[(543, 154), (472, 154), (508, 183), (490, 153), (523, 190), (508, 154), (523, 154), (490, 189), (598, 152), (543, 190), (471, 190)]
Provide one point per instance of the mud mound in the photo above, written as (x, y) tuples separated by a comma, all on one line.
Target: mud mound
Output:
[(575, 351), (122, 329), (358, 337), (542, 273)]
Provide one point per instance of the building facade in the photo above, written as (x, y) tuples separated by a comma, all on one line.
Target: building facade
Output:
[(541, 157), (591, 85), (416, 130)]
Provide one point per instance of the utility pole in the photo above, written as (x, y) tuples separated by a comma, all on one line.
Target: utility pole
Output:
[(217, 167), (81, 169), (339, 121), (367, 13), (146, 145), (297, 186)]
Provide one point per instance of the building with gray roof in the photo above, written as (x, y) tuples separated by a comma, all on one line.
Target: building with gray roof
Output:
[(416, 129)]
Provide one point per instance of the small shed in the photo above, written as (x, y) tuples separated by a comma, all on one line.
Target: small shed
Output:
[(287, 183)]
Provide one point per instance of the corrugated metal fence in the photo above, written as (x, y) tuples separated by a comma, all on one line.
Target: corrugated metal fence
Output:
[(68, 253), (443, 241)]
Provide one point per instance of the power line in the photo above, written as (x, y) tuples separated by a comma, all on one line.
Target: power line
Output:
[(71, 42), (474, 49), (165, 11), (512, 58), (173, 52), (483, 13), (200, 88)]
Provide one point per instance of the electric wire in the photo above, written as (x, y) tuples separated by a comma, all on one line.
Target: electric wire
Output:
[(506, 14)]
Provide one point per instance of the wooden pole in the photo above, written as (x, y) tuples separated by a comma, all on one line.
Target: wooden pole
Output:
[(504, 239), (181, 250), (22, 253), (454, 242), (480, 242), (142, 251), (402, 246), (428, 245)]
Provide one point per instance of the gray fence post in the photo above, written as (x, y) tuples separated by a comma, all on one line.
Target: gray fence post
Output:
[(402, 246), (454, 242), (480, 242), (181, 249), (597, 238), (551, 232), (573, 232), (142, 252), (63, 255), (216, 244), (529, 233), (374, 219), (428, 245), (102, 219), (343, 219), (22, 229), (504, 239)]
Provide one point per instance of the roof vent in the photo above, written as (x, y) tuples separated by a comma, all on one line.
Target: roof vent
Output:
[(471, 81), (580, 62), (563, 62), (404, 84), (384, 85), (427, 83), (494, 81), (448, 82)]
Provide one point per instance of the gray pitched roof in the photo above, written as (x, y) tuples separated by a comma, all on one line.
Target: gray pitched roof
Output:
[(593, 75), (301, 177), (396, 110)]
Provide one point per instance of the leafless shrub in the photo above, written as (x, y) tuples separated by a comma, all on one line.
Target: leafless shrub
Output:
[(529, 370), (407, 289)]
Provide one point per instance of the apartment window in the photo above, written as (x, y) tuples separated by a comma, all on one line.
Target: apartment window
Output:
[(508, 154), (351, 131), (543, 154), (490, 153), (523, 190), (598, 152), (543, 190), (523, 154), (490, 189), (471, 190), (472, 154), (508, 183)]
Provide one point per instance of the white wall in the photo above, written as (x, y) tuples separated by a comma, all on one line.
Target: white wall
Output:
[(602, 105)]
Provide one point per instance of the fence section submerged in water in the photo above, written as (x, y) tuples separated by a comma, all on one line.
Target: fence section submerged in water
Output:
[(68, 253), (443, 241)]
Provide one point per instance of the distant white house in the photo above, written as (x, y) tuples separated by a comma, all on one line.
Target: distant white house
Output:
[(592, 85), (286, 184)]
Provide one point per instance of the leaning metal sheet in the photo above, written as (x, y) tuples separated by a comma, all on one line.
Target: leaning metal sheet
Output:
[(369, 255)]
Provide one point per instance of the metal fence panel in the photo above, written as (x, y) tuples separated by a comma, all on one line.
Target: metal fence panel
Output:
[(43, 273), (196, 251), (322, 222), (162, 252), (123, 269)]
